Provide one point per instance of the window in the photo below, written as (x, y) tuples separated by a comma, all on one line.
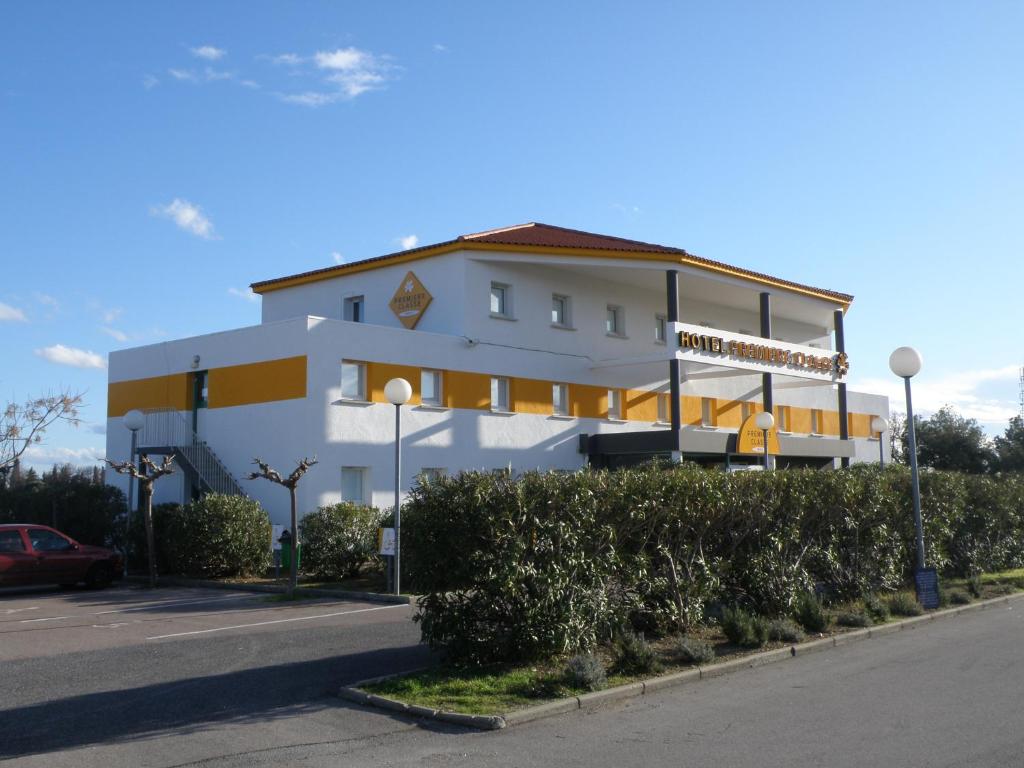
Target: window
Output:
[(201, 388), (501, 300), (746, 411), (47, 541), (432, 474), (664, 412), (660, 328), (353, 380), (782, 418), (560, 399), (614, 404), (707, 411), (816, 421), (560, 314), (499, 394), (614, 323), (353, 484), (430, 388), (354, 309), (10, 541)]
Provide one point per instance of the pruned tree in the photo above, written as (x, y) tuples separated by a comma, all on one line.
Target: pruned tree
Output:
[(23, 425), (147, 475), (291, 482)]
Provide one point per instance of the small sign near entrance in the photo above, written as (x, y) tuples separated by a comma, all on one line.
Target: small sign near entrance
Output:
[(275, 534), (926, 583), (386, 541), (410, 301), (751, 438)]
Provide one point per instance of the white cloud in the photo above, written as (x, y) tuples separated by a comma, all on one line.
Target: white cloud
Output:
[(7, 312), (187, 216), (407, 242), (338, 257), (208, 52), (217, 74), (115, 334), (440, 48), (149, 82), (959, 390), (249, 84), (45, 456), (352, 71), (182, 74), (76, 358), (46, 300), (287, 59), (309, 98), (98, 429), (244, 293)]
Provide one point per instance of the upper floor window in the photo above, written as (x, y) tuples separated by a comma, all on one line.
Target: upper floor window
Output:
[(560, 314), (707, 412), (664, 414), (615, 321), (782, 418), (501, 300), (353, 380), (614, 404), (816, 419), (354, 309), (499, 394), (560, 399), (660, 328), (430, 388), (746, 411)]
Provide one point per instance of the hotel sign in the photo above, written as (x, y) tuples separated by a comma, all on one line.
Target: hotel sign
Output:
[(736, 350), (410, 301)]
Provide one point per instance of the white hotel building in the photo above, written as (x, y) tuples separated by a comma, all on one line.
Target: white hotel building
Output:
[(531, 347)]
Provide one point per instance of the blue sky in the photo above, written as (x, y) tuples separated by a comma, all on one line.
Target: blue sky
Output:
[(157, 158)]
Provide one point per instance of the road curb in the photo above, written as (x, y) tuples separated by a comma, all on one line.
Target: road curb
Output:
[(370, 597), (641, 688)]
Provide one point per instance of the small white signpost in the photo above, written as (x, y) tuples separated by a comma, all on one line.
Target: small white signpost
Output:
[(386, 541)]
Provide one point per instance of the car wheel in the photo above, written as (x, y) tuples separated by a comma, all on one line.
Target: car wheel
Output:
[(99, 576)]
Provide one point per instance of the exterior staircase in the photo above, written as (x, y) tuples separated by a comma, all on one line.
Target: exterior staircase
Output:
[(169, 432)]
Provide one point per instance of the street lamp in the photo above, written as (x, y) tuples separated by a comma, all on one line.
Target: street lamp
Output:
[(398, 392), (134, 420), (905, 362), (880, 425), (765, 421)]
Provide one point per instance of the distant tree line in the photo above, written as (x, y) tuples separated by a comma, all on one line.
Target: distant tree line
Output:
[(947, 440)]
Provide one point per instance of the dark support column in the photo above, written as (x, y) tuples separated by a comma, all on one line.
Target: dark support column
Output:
[(675, 406), (844, 421), (766, 333)]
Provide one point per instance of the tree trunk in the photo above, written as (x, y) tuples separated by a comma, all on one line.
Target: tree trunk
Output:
[(293, 570)]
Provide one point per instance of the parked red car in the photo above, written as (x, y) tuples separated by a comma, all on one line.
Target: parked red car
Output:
[(35, 554)]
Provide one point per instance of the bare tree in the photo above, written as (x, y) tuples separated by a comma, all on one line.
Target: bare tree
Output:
[(24, 425), (149, 474), (290, 482)]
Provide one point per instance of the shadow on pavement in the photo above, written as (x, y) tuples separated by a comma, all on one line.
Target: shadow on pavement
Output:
[(261, 694)]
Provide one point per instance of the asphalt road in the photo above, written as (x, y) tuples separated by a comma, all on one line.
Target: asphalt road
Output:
[(136, 677)]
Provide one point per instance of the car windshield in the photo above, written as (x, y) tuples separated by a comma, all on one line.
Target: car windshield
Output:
[(47, 541)]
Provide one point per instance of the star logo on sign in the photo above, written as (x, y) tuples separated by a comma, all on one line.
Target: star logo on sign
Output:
[(409, 287)]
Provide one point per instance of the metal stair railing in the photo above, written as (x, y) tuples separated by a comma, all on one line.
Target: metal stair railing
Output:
[(168, 430)]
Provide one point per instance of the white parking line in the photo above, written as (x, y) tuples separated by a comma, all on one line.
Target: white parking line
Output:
[(277, 621), (51, 618), (9, 611)]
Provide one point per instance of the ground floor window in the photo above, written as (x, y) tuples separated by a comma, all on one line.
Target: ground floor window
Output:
[(354, 484), (431, 474)]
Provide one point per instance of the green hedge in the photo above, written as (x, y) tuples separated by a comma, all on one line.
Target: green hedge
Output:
[(552, 563), (338, 540), (217, 535)]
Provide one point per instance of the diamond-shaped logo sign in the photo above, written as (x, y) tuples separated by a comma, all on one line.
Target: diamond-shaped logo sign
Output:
[(410, 301)]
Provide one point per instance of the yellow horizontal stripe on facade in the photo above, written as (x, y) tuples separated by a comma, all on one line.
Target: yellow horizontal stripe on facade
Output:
[(248, 384), (251, 383), (379, 374), (173, 391), (467, 390)]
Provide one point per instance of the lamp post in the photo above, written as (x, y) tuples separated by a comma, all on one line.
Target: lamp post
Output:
[(398, 392), (133, 421), (905, 362), (881, 426), (765, 421)]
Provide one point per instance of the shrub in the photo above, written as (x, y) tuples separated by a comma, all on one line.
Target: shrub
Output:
[(904, 604), (974, 584), (338, 540), (585, 671), (959, 597), (217, 535), (875, 608), (743, 628), (810, 614), (692, 651), (634, 655), (852, 619), (785, 631)]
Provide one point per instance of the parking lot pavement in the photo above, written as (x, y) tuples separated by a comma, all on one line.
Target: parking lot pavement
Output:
[(125, 675)]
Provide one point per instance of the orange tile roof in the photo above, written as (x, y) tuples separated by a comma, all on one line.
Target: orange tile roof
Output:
[(545, 236)]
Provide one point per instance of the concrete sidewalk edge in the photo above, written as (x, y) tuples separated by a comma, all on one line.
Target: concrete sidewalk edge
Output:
[(664, 682)]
